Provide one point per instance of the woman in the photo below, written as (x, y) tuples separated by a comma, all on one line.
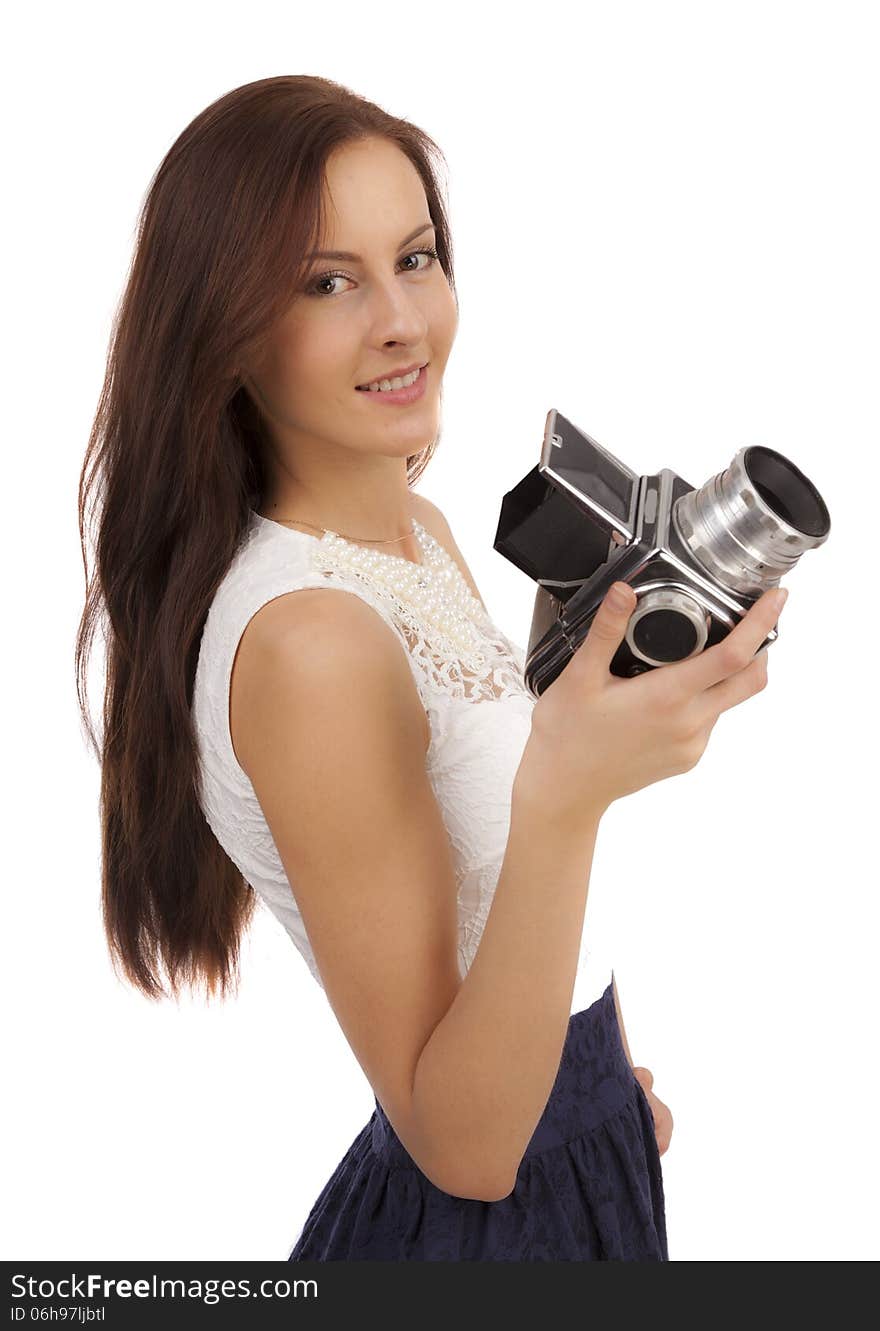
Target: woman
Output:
[(369, 764)]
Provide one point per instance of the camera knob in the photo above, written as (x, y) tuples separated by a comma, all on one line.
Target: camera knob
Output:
[(667, 625)]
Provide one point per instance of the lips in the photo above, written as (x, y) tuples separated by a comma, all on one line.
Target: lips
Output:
[(391, 374)]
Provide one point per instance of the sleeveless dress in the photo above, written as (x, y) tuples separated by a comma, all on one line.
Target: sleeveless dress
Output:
[(589, 1186)]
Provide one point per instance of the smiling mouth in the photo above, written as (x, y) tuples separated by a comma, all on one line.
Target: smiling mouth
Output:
[(369, 388)]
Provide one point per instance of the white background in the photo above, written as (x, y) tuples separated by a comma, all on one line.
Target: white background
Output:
[(665, 221)]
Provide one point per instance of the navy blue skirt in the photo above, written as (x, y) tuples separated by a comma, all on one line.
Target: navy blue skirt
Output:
[(589, 1187)]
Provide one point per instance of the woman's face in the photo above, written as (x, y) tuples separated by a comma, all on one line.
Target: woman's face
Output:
[(357, 320)]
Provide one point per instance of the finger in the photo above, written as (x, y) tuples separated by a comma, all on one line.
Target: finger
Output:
[(744, 684), (606, 631), (733, 653), (663, 1126)]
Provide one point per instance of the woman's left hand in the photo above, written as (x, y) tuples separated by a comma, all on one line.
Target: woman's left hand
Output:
[(662, 1116)]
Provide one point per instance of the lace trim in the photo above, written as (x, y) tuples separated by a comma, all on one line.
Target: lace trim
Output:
[(449, 634)]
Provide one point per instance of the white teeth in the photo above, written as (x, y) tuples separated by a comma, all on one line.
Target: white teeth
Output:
[(388, 385)]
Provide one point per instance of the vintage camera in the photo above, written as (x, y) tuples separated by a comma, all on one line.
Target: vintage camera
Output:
[(697, 559)]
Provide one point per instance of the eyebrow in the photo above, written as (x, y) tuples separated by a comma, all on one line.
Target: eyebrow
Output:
[(356, 258)]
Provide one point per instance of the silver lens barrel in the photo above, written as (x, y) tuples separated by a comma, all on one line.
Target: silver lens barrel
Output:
[(749, 525)]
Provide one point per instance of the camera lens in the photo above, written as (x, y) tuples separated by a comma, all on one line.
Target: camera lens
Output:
[(749, 525), (787, 491)]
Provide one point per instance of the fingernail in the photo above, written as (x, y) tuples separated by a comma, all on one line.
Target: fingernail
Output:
[(780, 596)]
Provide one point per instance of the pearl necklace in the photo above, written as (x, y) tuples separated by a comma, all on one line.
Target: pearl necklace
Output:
[(432, 598)]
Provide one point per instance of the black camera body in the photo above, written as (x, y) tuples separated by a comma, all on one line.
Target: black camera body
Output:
[(697, 558)]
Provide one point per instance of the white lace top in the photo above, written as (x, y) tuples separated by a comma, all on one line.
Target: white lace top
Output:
[(470, 679)]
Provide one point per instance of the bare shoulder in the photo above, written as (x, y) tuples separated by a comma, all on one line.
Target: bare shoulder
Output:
[(321, 638), (434, 521)]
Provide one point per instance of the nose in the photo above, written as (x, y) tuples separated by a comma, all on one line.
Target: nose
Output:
[(397, 314)]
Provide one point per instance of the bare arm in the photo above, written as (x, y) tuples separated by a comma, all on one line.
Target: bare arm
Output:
[(462, 1067), (484, 1077)]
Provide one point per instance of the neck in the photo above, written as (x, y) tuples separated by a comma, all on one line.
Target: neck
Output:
[(378, 509)]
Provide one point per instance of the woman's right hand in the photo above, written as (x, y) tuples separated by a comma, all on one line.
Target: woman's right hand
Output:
[(596, 737)]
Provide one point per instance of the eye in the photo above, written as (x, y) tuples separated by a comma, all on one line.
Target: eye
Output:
[(428, 251)]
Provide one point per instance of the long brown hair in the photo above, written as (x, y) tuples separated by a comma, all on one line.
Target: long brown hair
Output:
[(173, 467)]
